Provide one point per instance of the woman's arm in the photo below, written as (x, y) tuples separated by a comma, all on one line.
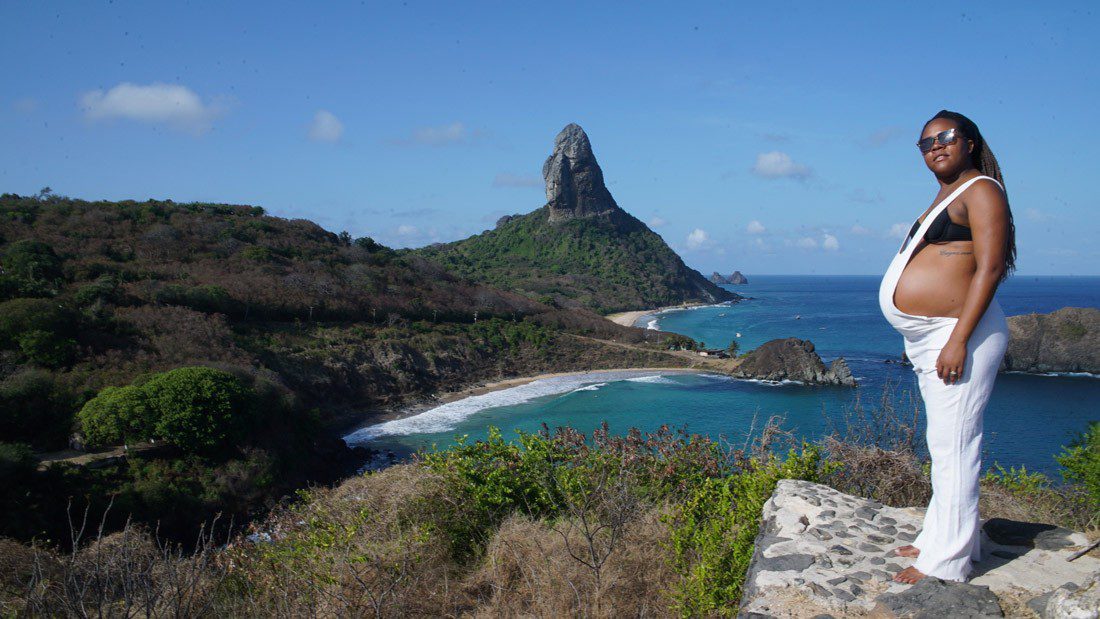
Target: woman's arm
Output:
[(987, 212)]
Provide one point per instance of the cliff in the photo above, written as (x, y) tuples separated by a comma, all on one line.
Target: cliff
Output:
[(1067, 340)]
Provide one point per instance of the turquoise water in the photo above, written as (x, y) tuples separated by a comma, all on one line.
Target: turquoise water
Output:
[(1028, 418)]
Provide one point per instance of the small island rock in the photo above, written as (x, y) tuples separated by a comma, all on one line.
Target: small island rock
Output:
[(793, 359), (737, 278)]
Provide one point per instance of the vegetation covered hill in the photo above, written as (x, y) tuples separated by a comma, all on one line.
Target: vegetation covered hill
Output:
[(580, 248), (608, 264), (103, 304)]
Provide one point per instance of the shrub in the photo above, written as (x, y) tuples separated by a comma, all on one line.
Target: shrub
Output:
[(105, 288), (1081, 459), (257, 253), (19, 316), (31, 261), (208, 299), (714, 528), (16, 459), (199, 409), (47, 348), (36, 409), (115, 415)]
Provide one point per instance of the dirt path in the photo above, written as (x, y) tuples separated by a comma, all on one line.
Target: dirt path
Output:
[(94, 459), (711, 363)]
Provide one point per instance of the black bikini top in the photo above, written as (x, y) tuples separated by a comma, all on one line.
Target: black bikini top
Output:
[(942, 230)]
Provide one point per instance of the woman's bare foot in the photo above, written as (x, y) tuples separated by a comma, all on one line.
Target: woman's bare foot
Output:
[(908, 550), (909, 575)]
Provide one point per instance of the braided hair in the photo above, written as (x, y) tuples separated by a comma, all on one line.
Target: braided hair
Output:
[(982, 158)]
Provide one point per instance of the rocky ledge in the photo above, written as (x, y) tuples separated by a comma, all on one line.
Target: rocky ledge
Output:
[(793, 359), (1067, 340), (823, 553)]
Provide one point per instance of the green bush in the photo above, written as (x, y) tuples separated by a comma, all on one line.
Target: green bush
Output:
[(35, 408), (31, 261), (47, 348), (105, 288), (116, 415), (714, 528), (1017, 481), (16, 460), (199, 409), (257, 253), (201, 298), (19, 316), (1081, 459)]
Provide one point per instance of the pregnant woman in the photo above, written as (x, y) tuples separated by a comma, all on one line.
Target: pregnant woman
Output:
[(939, 294)]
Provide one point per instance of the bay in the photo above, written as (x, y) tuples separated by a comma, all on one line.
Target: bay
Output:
[(1027, 421)]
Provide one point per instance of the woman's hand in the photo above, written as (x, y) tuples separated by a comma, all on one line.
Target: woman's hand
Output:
[(951, 362)]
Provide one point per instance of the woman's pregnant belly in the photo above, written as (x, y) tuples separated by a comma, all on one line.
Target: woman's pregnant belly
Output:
[(936, 280)]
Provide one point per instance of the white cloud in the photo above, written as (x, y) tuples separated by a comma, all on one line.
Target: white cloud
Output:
[(755, 227), (657, 222), (1035, 214), (436, 136), (505, 179), (326, 127), (697, 238), (777, 164), (759, 243), (830, 243), (859, 230), (898, 231), (171, 104), (407, 230), (806, 243)]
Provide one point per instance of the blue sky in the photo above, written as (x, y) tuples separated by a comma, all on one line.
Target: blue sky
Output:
[(763, 137)]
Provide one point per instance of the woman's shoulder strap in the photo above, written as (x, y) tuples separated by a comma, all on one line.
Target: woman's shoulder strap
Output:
[(990, 178)]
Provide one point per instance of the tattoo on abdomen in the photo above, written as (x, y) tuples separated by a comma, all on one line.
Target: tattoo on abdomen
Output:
[(946, 252)]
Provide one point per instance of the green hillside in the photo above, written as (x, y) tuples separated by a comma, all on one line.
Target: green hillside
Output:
[(606, 263), (108, 308)]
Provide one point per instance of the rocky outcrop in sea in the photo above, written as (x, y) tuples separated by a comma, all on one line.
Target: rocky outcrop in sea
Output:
[(822, 553), (736, 278), (1067, 340), (793, 359)]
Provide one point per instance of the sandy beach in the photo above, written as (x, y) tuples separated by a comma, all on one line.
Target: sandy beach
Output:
[(508, 383), (627, 319), (409, 409)]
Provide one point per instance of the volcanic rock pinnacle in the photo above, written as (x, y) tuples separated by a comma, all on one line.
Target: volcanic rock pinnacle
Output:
[(574, 181)]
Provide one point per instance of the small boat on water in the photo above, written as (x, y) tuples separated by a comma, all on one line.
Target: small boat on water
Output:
[(738, 334)]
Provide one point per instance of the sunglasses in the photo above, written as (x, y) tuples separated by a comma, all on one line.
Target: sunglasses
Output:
[(943, 137)]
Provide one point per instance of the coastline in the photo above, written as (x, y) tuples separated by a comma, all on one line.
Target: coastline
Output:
[(416, 407), (627, 319)]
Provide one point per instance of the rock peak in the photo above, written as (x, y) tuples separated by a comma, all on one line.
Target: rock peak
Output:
[(574, 181)]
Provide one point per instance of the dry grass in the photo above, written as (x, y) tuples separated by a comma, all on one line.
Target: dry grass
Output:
[(529, 570)]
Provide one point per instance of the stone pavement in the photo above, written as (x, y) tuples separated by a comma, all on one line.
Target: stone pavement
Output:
[(821, 552)]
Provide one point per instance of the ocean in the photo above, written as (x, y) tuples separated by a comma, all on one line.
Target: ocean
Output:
[(1027, 421)]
